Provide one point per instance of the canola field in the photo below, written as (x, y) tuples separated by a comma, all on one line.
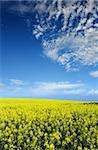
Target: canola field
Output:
[(28, 124)]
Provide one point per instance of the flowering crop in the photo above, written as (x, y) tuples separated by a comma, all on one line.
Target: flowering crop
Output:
[(48, 125)]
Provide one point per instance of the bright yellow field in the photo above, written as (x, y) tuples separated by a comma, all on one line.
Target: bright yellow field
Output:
[(42, 124)]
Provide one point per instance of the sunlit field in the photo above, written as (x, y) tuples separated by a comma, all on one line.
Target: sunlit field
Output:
[(42, 124)]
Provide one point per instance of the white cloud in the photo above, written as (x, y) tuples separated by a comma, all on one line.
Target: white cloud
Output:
[(2, 85), (21, 7), (55, 88), (70, 45), (42, 89), (93, 92), (74, 92), (58, 85), (94, 74), (47, 89), (75, 42), (16, 82)]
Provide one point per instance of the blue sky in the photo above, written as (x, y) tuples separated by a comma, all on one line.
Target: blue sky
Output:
[(45, 54)]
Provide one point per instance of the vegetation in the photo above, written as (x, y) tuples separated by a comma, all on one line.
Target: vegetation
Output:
[(48, 125)]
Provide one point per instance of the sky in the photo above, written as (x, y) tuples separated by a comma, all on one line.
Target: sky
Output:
[(49, 49)]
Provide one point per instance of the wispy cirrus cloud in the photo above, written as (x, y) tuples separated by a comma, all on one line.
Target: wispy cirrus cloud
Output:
[(15, 87), (74, 92), (69, 33), (22, 7), (56, 88), (68, 30), (42, 89), (2, 85), (48, 89), (94, 74), (93, 92), (16, 82)]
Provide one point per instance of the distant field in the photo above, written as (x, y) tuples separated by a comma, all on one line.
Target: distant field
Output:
[(42, 124)]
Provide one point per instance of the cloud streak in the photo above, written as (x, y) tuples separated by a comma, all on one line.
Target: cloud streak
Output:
[(2, 85), (93, 92), (41, 89), (94, 74), (68, 30), (55, 88), (48, 89), (16, 82)]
